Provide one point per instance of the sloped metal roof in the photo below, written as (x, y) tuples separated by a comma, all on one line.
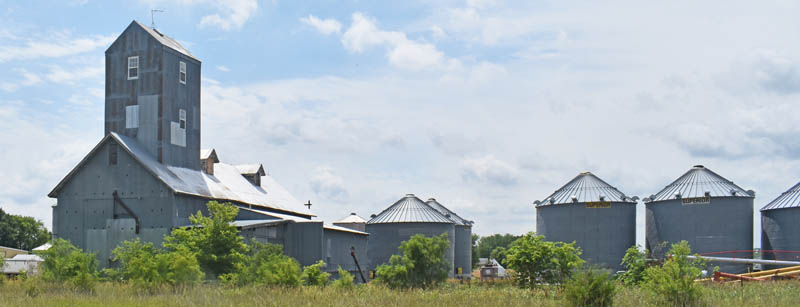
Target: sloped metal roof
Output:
[(443, 210), (699, 181), (166, 40), (788, 199), (410, 209), (251, 169), (351, 219), (209, 154), (586, 187)]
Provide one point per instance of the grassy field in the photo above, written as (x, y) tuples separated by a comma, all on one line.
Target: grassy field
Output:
[(14, 293)]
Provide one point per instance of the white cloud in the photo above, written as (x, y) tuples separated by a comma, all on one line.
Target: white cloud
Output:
[(71, 75), (324, 26), (233, 13), (223, 68), (52, 46), (490, 169), (327, 184)]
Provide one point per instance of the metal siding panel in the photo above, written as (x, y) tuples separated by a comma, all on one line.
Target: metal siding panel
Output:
[(385, 239)]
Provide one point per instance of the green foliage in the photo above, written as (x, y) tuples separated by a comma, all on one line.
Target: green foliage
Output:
[(673, 282), (488, 244), (590, 288), (147, 267), (64, 262), (635, 262), (213, 239), (313, 275), (265, 265), (475, 254), (345, 280), (422, 263), (535, 260), (499, 254), (21, 232)]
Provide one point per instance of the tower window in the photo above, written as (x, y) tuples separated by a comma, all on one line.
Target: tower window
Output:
[(133, 68), (182, 118), (132, 116), (112, 154), (182, 77)]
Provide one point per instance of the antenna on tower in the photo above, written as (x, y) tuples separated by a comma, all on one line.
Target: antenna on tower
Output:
[(152, 17)]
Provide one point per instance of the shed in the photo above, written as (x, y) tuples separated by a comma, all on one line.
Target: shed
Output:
[(710, 212), (22, 263), (403, 219), (780, 226), (8, 252), (597, 216), (462, 261)]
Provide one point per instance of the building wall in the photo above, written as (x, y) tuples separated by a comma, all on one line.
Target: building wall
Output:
[(337, 252), (354, 226), (603, 234), (725, 224), (158, 93), (385, 240), (85, 208), (463, 250), (780, 230), (303, 241)]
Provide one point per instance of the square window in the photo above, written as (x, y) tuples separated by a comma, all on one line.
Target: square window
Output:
[(182, 77), (133, 67), (132, 116)]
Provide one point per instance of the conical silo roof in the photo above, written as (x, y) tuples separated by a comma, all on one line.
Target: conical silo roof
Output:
[(443, 210), (789, 199), (699, 181), (351, 219), (586, 187), (410, 209)]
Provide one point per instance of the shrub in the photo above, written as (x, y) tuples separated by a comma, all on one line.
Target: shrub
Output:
[(535, 260), (345, 280), (499, 254), (422, 263), (314, 276), (635, 262), (64, 262), (673, 282), (590, 287), (265, 265), (213, 239), (148, 268)]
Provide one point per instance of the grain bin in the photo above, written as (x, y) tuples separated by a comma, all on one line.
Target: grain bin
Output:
[(780, 226), (463, 243), (710, 212), (594, 214)]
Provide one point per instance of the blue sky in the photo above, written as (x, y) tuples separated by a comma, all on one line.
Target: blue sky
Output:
[(484, 105)]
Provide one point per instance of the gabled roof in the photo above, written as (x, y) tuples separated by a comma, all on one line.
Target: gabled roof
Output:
[(788, 199), (251, 169), (410, 209), (227, 183), (351, 219), (164, 40), (699, 181), (288, 218), (206, 154), (447, 213), (586, 187)]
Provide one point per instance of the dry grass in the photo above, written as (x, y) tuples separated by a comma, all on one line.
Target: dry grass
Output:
[(14, 293)]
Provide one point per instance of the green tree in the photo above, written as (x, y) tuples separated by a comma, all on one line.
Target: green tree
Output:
[(535, 260), (148, 268), (64, 262), (673, 282), (213, 239), (499, 254), (421, 264), (313, 275), (265, 264), (635, 262), (475, 255), (487, 244), (21, 232), (590, 287), (345, 280)]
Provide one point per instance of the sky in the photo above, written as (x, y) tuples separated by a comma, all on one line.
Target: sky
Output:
[(484, 105)]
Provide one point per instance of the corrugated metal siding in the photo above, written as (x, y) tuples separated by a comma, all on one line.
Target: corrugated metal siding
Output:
[(586, 187), (410, 209), (385, 239), (788, 199), (337, 252), (444, 211), (700, 182), (779, 231)]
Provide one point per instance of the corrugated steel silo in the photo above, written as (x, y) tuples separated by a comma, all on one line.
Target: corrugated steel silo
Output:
[(710, 212), (405, 218), (780, 225), (594, 214), (463, 240), (352, 221)]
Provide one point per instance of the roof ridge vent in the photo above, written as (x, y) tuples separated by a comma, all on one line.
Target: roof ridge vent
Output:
[(410, 195), (699, 166)]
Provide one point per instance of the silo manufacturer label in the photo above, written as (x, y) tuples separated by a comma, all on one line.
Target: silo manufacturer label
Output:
[(696, 200), (598, 204)]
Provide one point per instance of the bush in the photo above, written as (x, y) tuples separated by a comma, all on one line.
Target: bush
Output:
[(422, 263), (590, 288), (148, 268), (265, 265), (635, 262), (535, 260), (673, 283), (64, 262), (345, 280), (314, 276)]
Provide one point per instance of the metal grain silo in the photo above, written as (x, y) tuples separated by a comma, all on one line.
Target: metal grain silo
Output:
[(352, 221), (594, 214), (463, 242), (710, 212), (405, 218), (780, 226)]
